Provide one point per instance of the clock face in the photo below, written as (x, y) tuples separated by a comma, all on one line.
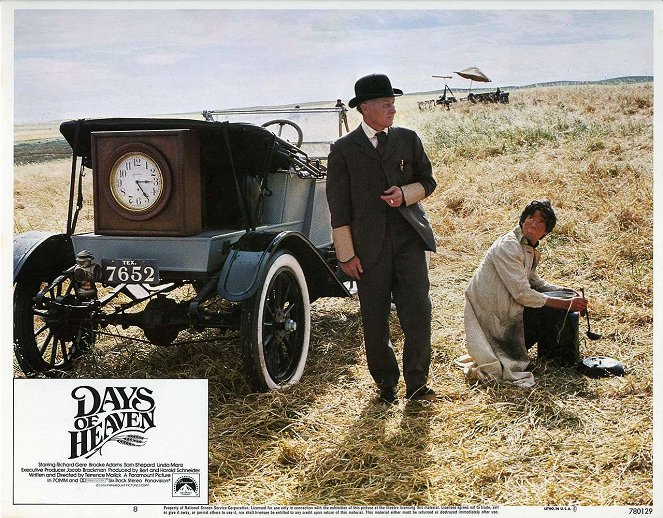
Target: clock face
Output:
[(136, 181)]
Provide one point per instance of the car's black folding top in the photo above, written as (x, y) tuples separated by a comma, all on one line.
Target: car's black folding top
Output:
[(213, 129), (249, 143)]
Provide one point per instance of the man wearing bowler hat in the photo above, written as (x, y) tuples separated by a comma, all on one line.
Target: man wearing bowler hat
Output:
[(377, 176)]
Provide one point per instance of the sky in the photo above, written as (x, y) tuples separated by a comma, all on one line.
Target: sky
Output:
[(165, 59)]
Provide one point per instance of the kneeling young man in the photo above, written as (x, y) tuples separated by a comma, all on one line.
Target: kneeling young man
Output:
[(508, 307)]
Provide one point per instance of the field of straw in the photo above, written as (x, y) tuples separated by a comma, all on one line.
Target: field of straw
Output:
[(570, 440)]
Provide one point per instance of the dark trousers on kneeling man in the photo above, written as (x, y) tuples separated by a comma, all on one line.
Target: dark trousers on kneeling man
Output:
[(556, 333)]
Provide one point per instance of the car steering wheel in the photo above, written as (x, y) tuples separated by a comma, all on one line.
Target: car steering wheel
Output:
[(281, 123)]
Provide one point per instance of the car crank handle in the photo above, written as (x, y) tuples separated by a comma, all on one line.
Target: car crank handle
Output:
[(590, 334)]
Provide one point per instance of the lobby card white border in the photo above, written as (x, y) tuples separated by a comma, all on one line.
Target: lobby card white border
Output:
[(5, 164)]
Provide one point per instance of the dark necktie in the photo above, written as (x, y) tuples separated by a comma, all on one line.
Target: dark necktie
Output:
[(382, 141)]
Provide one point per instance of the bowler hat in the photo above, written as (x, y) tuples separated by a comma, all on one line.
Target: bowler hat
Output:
[(373, 86)]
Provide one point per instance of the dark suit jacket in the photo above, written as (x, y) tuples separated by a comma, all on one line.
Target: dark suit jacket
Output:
[(357, 176)]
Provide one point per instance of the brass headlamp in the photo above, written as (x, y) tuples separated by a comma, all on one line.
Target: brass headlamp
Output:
[(86, 274)]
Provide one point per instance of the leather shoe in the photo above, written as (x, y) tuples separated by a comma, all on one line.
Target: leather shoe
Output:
[(388, 395), (422, 393)]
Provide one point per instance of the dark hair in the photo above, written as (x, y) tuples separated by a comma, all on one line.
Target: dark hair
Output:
[(546, 210)]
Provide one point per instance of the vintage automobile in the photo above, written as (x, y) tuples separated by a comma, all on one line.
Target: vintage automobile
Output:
[(233, 211)]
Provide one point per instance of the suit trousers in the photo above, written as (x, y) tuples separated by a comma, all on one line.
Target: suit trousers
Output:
[(401, 271)]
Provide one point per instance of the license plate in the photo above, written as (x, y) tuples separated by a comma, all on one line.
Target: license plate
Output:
[(134, 271)]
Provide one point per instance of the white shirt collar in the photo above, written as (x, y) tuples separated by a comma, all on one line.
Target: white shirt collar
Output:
[(370, 132)]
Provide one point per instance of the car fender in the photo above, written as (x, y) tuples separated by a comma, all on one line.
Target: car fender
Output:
[(245, 269), (41, 255)]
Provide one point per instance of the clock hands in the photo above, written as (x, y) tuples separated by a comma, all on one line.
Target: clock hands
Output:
[(138, 182), (135, 167)]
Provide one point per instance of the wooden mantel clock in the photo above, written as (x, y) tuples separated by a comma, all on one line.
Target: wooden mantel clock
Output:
[(147, 182)]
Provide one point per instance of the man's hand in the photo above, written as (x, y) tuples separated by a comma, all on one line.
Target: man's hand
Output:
[(578, 304), (352, 268), (393, 196)]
